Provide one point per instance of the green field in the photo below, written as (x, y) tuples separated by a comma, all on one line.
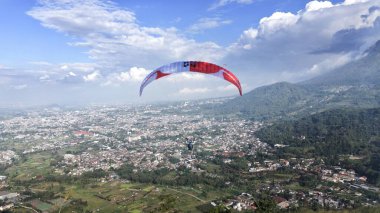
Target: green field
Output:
[(42, 206), (31, 171), (117, 196), (35, 165)]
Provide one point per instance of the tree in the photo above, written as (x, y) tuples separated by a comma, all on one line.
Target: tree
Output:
[(266, 204), (219, 209)]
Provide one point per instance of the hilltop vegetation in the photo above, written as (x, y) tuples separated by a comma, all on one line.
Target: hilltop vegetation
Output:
[(331, 134), (288, 101), (271, 101)]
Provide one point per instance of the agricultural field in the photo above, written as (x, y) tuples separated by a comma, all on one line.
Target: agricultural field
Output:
[(118, 196), (34, 165)]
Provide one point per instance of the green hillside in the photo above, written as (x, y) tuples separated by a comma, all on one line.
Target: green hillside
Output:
[(332, 134), (270, 101)]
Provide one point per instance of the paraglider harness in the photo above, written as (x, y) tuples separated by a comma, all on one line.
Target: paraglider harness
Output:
[(189, 144)]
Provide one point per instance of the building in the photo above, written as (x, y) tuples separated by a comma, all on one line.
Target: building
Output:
[(8, 195), (6, 207)]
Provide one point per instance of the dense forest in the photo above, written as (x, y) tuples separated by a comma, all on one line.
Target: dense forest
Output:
[(185, 177), (331, 135)]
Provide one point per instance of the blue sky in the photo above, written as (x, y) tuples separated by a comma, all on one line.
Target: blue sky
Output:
[(23, 40), (94, 51)]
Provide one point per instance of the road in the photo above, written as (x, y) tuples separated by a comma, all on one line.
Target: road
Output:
[(26, 207), (187, 194)]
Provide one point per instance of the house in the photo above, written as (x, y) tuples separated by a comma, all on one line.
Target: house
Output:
[(80, 133), (283, 205), (281, 202), (6, 207), (8, 195)]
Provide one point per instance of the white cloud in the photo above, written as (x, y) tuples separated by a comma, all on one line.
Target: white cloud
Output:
[(208, 23), (44, 78), (80, 67), (297, 46), (64, 67), (349, 2), (329, 64), (20, 87), (251, 33), (41, 63), (81, 18), (114, 37), (91, 77), (134, 74), (322, 24), (317, 5), (62, 73), (247, 36), (319, 68), (277, 21), (222, 3), (190, 91), (229, 87)]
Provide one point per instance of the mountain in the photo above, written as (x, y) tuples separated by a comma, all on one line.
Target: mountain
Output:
[(274, 100), (356, 84)]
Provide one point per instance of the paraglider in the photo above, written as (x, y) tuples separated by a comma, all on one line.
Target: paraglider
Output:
[(191, 66), (190, 144)]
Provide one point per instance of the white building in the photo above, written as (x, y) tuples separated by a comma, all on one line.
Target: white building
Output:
[(8, 195)]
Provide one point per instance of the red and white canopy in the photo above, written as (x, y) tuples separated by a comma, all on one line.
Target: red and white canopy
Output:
[(191, 66)]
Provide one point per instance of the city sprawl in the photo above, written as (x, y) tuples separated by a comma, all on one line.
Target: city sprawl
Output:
[(150, 139)]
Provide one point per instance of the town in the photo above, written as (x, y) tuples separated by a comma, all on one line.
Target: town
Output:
[(151, 138)]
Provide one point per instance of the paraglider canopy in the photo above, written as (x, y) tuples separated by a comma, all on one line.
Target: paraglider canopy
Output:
[(191, 66)]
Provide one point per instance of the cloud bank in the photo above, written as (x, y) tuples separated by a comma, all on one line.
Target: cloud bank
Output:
[(283, 46), (112, 34), (296, 46)]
